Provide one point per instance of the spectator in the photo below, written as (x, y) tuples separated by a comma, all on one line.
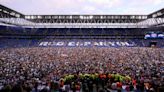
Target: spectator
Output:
[(87, 69)]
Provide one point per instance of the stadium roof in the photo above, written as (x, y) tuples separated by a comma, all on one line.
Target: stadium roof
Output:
[(11, 16), (67, 7)]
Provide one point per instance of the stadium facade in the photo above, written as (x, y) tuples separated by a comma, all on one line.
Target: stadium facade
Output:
[(19, 30)]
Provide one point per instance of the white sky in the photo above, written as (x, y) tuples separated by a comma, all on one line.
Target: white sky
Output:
[(48, 7)]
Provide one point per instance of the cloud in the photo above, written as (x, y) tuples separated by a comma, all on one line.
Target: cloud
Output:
[(5, 1), (84, 6), (143, 6)]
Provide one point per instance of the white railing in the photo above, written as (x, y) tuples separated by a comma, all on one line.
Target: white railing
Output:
[(87, 25)]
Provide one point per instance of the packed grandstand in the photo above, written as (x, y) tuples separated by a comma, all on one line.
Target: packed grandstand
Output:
[(81, 53)]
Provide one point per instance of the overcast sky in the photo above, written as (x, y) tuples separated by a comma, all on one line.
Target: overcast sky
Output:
[(84, 6)]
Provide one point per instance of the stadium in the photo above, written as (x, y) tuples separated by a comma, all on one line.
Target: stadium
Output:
[(81, 53)]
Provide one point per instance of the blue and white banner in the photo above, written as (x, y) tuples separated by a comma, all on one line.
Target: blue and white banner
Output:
[(86, 44), (154, 36)]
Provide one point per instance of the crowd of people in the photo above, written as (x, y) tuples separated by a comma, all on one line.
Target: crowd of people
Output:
[(81, 69)]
